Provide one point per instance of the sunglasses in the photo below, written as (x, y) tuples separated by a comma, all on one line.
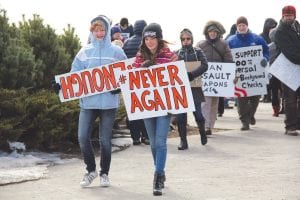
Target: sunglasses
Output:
[(183, 39)]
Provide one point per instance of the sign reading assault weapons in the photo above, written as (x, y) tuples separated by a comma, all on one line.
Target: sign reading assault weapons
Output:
[(218, 80)]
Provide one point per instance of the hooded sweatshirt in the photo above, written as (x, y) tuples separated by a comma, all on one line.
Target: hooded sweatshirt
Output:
[(95, 54), (268, 25)]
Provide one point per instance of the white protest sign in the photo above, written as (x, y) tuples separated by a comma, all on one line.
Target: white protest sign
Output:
[(218, 80), (156, 90), (75, 85), (252, 76), (286, 71)]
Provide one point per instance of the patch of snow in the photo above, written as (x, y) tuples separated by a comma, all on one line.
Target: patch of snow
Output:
[(16, 146), (121, 142), (19, 167)]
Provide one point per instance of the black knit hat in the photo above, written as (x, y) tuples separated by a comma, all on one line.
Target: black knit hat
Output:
[(153, 30)]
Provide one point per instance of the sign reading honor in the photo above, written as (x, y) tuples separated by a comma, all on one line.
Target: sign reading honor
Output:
[(75, 85)]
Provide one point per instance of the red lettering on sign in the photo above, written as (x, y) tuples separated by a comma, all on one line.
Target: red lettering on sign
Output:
[(180, 97), (173, 74)]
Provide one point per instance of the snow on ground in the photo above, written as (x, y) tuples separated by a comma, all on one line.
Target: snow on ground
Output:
[(24, 166), (20, 166)]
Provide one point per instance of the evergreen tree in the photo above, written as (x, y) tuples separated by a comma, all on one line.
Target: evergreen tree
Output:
[(46, 48), (18, 64), (71, 42), (17, 59), (4, 34)]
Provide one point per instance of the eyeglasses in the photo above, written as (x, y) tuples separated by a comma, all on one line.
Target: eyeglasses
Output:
[(183, 39)]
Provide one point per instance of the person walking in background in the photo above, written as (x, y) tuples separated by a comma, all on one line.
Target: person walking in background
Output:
[(232, 31), (243, 38), (100, 51), (189, 53), (269, 24), (287, 39), (274, 82), (216, 50), (126, 28), (131, 46), (154, 50)]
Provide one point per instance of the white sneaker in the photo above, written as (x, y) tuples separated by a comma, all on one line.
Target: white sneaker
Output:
[(88, 179), (104, 180)]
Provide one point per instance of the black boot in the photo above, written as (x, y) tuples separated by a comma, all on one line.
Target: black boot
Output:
[(145, 141), (183, 145), (201, 126), (163, 180), (157, 184), (182, 133)]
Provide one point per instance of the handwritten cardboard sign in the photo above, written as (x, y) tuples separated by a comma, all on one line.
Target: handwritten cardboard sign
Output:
[(252, 76), (191, 66)]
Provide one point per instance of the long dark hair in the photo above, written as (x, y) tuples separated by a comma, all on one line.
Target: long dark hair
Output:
[(146, 53)]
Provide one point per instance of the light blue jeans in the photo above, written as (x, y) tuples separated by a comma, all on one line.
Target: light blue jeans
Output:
[(85, 128), (157, 130)]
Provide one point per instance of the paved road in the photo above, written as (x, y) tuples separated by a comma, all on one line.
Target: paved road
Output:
[(261, 163)]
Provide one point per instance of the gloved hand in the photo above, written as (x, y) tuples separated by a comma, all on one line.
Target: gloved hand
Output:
[(190, 75), (264, 62), (117, 91), (55, 86)]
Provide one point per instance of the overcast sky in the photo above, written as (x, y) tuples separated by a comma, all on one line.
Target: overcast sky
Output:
[(173, 16)]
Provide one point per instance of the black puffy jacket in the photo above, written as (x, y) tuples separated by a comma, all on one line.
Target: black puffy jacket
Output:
[(131, 46)]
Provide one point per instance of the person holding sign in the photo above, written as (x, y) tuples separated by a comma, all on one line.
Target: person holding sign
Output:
[(100, 51), (244, 38), (216, 50), (154, 50), (189, 53), (287, 39)]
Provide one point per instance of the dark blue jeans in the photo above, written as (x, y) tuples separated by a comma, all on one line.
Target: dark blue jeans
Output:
[(158, 129), (86, 120)]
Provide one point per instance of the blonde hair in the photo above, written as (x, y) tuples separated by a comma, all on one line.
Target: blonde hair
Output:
[(97, 24)]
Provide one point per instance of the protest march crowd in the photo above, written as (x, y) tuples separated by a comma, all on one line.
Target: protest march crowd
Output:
[(160, 86)]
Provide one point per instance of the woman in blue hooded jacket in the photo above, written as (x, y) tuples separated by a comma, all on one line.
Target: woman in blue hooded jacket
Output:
[(100, 51)]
